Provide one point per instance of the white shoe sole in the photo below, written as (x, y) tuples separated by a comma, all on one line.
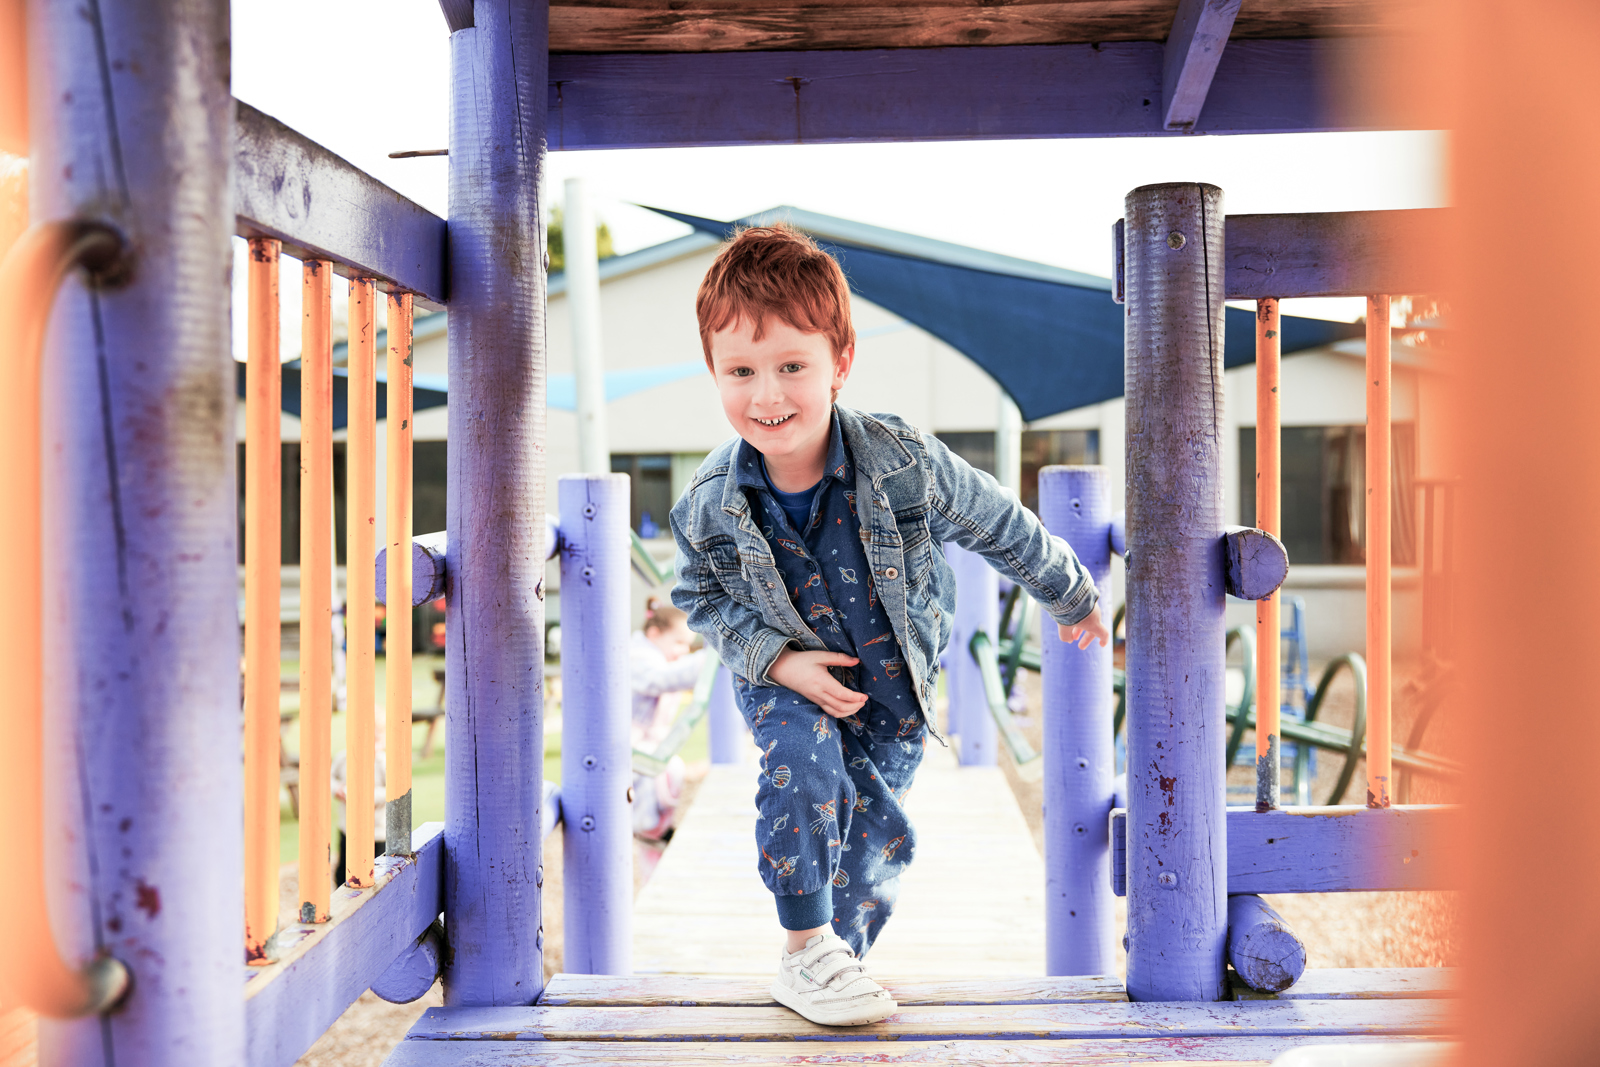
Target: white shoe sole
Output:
[(848, 1014)]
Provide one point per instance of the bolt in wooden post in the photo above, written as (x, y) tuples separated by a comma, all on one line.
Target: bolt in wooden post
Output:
[(1177, 843), (316, 587), (495, 506), (596, 751), (1269, 641), (1079, 749), (263, 562), (1379, 630), (360, 529)]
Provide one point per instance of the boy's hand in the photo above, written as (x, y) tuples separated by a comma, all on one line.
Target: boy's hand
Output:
[(1085, 629), (807, 674)]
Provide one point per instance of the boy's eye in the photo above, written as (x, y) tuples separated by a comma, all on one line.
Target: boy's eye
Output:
[(793, 368), (741, 372)]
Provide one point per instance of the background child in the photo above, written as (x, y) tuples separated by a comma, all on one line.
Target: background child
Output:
[(659, 663), (809, 558)]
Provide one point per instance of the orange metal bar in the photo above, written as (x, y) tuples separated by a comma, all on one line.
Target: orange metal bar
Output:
[(32, 972), (1379, 632), (316, 587), (397, 597), (263, 558), (360, 548), (1269, 517)]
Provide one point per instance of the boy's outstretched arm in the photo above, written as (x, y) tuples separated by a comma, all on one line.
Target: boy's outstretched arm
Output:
[(970, 508)]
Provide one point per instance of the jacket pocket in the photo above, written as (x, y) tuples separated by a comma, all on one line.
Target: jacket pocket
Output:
[(724, 558)]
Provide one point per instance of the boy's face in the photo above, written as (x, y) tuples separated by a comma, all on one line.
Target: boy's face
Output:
[(778, 392)]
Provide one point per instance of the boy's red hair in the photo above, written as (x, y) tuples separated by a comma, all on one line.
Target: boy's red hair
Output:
[(775, 272)]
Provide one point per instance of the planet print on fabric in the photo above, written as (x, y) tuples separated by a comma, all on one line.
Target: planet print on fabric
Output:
[(780, 777)]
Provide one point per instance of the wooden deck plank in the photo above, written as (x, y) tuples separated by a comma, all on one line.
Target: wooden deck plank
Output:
[(1146, 1052), (1365, 983), (705, 910), (705, 991), (1308, 1018)]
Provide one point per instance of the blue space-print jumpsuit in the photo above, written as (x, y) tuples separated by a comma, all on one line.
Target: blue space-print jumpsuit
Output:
[(833, 835)]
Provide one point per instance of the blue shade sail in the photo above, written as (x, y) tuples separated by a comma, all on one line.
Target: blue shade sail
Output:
[(1051, 338)]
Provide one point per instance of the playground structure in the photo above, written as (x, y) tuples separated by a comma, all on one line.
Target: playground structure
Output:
[(155, 295)]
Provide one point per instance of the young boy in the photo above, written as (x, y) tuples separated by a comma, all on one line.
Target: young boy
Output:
[(809, 557)]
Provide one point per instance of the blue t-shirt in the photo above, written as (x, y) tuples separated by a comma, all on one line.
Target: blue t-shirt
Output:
[(795, 505)]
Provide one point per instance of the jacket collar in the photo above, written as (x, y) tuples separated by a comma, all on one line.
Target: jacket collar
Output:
[(854, 436)]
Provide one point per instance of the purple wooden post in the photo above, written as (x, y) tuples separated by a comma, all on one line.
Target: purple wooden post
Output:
[(133, 125), (1177, 839), (1079, 749), (596, 716), (495, 508), (728, 736), (977, 608)]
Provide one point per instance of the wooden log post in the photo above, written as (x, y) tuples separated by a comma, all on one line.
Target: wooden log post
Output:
[(1261, 947), (494, 649), (977, 608), (1177, 845), (1079, 749), (134, 126), (596, 750)]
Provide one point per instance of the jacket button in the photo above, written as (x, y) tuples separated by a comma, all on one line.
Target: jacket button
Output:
[(891, 574)]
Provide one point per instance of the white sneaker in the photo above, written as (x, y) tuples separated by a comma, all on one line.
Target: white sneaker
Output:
[(825, 983)]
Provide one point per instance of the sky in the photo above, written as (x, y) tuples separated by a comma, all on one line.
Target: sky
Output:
[(381, 84)]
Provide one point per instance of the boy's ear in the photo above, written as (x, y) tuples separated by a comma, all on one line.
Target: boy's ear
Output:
[(842, 364)]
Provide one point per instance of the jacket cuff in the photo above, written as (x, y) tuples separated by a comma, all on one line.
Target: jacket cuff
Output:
[(1077, 607), (762, 654)]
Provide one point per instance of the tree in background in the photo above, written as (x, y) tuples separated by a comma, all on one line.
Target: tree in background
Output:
[(557, 247)]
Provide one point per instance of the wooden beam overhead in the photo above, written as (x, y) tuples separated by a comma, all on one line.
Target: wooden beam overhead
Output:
[(1200, 30), (1025, 91), (612, 26)]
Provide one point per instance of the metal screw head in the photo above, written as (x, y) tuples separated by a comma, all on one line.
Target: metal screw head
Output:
[(1077, 505), (1083, 763), (538, 879), (538, 590), (587, 822), (589, 762), (1079, 829), (588, 511), (1176, 240), (1167, 879), (587, 572), (630, 794)]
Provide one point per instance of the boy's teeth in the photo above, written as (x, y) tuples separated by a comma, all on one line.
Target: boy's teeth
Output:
[(774, 422)]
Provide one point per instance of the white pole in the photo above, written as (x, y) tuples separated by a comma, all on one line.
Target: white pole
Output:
[(583, 303), (1008, 444)]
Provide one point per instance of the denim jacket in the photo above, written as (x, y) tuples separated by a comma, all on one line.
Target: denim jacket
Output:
[(921, 495)]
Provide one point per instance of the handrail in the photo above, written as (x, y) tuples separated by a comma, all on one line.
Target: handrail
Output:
[(1029, 765), (651, 764), (33, 973), (645, 564)]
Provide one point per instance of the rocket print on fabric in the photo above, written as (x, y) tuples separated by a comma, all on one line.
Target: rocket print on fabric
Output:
[(793, 547), (821, 730), (850, 498), (892, 847), (823, 611), (811, 581), (824, 819), (783, 866), (862, 803), (768, 753), (872, 593), (881, 638), (907, 726), (761, 716)]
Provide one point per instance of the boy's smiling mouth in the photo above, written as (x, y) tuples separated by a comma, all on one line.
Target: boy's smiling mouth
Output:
[(779, 421)]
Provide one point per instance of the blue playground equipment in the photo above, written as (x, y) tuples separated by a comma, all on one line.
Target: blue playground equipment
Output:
[(144, 168)]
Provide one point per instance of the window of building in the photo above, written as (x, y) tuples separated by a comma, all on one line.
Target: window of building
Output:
[(1040, 449), (1324, 492), (650, 478)]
